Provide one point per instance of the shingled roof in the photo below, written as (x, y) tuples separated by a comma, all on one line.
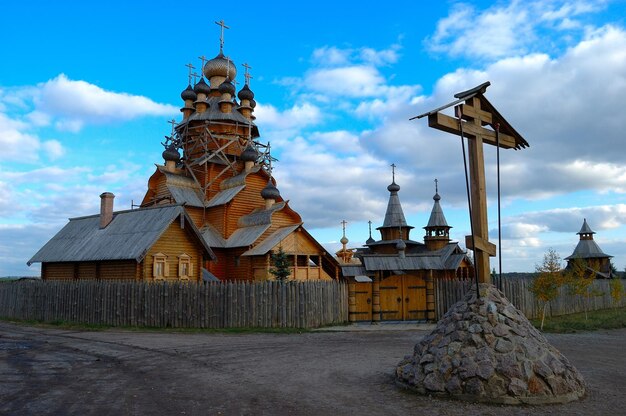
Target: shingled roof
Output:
[(128, 236)]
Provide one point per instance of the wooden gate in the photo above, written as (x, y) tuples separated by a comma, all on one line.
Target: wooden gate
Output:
[(363, 294), (403, 298)]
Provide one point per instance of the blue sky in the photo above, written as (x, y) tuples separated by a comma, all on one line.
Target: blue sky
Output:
[(86, 90)]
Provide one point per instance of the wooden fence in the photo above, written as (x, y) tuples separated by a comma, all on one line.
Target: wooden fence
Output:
[(267, 304), (448, 292)]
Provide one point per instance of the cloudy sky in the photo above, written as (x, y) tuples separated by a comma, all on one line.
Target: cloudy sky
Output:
[(86, 91)]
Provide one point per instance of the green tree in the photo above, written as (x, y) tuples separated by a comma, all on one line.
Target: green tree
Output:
[(280, 261), (617, 290), (545, 286), (579, 279)]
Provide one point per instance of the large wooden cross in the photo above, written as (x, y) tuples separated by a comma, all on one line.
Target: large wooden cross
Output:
[(474, 114)]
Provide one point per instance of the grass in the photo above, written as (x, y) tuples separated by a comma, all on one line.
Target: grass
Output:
[(602, 319), (90, 327)]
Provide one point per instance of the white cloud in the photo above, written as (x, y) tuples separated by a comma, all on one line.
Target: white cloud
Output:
[(76, 103), (350, 81), (328, 56), (299, 115), (506, 29)]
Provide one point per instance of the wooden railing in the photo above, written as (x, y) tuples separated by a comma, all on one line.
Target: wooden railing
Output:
[(267, 304)]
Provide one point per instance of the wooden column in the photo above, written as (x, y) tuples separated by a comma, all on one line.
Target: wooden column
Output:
[(376, 298), (351, 300), (430, 296)]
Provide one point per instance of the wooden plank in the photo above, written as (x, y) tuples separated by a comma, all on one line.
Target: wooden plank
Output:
[(449, 124)]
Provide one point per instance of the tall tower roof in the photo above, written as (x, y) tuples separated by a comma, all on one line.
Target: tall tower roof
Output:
[(394, 217), (437, 219), (585, 229)]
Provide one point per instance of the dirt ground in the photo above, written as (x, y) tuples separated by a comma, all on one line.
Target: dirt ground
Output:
[(115, 372)]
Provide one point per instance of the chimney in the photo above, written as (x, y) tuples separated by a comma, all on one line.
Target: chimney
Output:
[(106, 209)]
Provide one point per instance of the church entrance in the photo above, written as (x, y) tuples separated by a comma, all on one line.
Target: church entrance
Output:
[(403, 298)]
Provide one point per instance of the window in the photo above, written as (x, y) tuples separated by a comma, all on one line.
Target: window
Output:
[(160, 268), (185, 268)]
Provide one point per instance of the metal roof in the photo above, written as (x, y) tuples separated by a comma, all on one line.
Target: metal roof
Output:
[(224, 196), (394, 216), (437, 219), (212, 237), (246, 236), (128, 236), (260, 216), (587, 249), (585, 229), (394, 262), (353, 270), (271, 241)]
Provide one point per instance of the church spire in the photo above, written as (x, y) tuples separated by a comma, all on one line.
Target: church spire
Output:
[(437, 229), (394, 226)]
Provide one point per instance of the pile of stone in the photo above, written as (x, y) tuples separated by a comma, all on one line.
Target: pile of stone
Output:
[(484, 349)]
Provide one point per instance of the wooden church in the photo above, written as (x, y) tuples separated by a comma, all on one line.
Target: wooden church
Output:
[(217, 173), (393, 278)]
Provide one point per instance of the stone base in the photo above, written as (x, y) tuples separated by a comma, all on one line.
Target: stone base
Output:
[(486, 350)]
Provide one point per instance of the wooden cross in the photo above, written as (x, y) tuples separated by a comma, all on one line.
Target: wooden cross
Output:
[(173, 123), (474, 112), (223, 25), (393, 172), (191, 68), (203, 59), (246, 74), (343, 223), (436, 187)]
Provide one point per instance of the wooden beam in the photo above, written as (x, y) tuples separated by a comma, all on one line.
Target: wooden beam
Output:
[(481, 244), (470, 112), (449, 124)]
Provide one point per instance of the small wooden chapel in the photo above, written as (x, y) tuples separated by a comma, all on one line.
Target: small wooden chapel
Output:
[(218, 172), (392, 279)]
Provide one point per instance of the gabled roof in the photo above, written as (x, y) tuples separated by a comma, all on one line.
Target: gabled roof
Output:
[(128, 236), (448, 257)]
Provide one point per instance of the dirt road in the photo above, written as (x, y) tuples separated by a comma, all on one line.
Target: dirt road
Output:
[(59, 372)]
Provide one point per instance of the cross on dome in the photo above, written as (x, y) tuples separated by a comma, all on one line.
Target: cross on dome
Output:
[(247, 75), (223, 26), (191, 74)]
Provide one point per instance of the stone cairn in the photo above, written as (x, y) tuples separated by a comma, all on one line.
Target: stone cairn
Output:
[(486, 350)]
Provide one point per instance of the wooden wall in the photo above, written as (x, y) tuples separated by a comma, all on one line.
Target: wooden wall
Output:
[(174, 242)]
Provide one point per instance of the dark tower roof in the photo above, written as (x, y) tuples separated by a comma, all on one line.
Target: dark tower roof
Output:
[(586, 247), (437, 219), (394, 217), (585, 229)]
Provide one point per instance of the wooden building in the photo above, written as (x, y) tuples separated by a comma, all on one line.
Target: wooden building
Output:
[(158, 243), (597, 262), (395, 278), (218, 171), (224, 179)]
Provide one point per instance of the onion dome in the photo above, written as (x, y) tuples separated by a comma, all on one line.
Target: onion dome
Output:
[(249, 154), (252, 103), (393, 187), (188, 94), (270, 191), (437, 197), (245, 93), (170, 154), (401, 245), (227, 87), (369, 241), (344, 240), (220, 66), (202, 87)]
